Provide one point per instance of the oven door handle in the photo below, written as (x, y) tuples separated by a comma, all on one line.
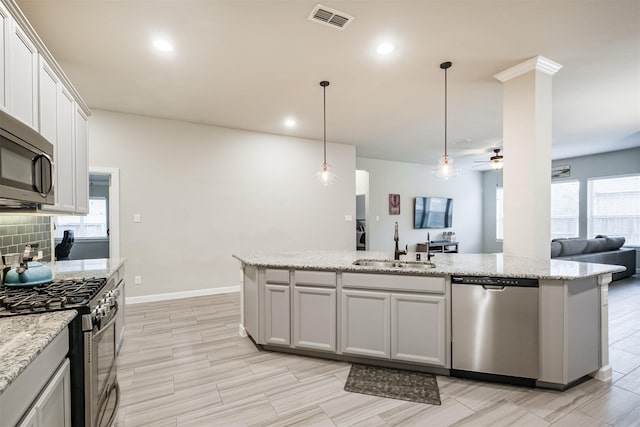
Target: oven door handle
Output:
[(112, 319), (112, 418)]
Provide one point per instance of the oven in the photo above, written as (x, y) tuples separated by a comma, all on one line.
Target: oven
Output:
[(101, 390)]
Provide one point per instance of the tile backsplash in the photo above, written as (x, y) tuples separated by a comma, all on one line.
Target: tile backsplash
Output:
[(16, 231)]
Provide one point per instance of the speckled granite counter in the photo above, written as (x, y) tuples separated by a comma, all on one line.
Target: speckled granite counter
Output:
[(496, 265), (103, 267), (22, 338)]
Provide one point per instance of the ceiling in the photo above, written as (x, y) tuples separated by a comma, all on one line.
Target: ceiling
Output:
[(249, 64)]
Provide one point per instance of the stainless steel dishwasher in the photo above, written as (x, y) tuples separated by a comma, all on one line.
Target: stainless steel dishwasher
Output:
[(494, 327)]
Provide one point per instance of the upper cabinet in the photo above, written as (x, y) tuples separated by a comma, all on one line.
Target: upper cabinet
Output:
[(34, 89), (23, 77), (5, 25), (82, 161)]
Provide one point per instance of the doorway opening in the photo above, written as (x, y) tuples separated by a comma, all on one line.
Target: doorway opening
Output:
[(362, 209), (95, 235)]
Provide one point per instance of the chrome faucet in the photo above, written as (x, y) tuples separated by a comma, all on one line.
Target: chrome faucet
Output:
[(398, 252)]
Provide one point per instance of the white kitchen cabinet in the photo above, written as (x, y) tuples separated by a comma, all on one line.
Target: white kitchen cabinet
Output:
[(418, 328), (277, 314), (23, 77), (366, 323), (5, 26), (53, 407), (65, 153), (48, 101), (314, 318), (82, 161)]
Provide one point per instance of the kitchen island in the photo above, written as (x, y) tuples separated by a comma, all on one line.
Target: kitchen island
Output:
[(325, 304)]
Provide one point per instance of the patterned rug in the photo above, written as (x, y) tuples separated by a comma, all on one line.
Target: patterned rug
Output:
[(393, 383)]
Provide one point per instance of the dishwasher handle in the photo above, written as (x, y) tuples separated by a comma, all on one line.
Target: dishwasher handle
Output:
[(494, 288)]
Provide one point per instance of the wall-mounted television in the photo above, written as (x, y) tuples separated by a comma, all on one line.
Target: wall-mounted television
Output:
[(432, 212)]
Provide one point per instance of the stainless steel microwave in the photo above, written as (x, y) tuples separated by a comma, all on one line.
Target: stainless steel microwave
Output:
[(26, 165)]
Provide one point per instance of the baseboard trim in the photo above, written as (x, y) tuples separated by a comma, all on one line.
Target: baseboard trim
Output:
[(180, 295)]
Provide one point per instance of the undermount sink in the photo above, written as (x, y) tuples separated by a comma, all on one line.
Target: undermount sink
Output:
[(394, 264)]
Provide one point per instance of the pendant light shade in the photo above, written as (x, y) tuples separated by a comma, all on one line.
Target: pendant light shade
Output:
[(445, 168), (325, 175)]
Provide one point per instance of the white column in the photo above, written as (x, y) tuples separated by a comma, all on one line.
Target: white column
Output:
[(527, 150)]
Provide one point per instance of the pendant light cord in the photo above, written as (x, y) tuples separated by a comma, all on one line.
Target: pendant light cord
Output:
[(445, 112), (324, 96)]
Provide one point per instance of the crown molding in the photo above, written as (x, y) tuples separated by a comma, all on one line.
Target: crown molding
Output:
[(537, 63)]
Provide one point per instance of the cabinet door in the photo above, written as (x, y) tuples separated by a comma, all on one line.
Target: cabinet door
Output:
[(5, 28), (53, 407), (277, 314), (82, 161), (314, 321), (23, 77), (418, 328), (366, 323), (48, 102), (64, 152)]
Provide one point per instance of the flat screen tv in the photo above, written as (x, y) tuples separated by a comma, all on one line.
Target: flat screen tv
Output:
[(432, 212)]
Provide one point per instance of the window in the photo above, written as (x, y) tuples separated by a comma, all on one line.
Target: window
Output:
[(92, 226), (614, 208), (565, 209)]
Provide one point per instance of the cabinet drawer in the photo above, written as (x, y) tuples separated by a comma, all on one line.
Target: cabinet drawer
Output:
[(277, 276), (315, 278), (393, 282)]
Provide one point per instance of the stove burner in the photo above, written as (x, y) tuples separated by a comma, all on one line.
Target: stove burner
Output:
[(57, 295)]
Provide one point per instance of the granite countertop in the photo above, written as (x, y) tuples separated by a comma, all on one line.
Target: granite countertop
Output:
[(496, 265), (103, 267), (22, 338)]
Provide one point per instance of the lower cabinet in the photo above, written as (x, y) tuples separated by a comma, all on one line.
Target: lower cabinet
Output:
[(365, 323), (418, 328), (277, 315), (53, 407), (314, 318), (397, 326)]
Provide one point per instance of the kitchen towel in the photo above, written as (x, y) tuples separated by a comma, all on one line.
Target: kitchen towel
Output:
[(393, 383)]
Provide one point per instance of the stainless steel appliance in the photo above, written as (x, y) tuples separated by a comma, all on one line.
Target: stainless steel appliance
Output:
[(494, 327), (26, 165), (92, 340)]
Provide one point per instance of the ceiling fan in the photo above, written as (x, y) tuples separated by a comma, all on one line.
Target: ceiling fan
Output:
[(495, 161)]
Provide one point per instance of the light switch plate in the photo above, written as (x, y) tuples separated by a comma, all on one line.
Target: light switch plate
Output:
[(137, 218)]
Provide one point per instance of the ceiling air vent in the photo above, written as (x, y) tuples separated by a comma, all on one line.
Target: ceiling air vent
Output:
[(331, 17)]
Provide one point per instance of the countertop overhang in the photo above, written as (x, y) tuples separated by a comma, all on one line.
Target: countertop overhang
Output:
[(496, 265)]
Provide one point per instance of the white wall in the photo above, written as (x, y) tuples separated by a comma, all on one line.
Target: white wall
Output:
[(205, 193), (414, 180)]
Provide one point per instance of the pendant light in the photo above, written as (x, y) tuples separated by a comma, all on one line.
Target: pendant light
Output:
[(445, 168), (325, 176)]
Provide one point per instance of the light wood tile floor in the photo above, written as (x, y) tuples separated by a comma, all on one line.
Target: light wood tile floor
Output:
[(184, 364)]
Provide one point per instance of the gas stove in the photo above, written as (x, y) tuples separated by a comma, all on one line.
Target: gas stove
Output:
[(65, 294)]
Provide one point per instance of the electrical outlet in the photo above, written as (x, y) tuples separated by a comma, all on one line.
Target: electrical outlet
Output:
[(348, 218), (137, 280), (137, 218)]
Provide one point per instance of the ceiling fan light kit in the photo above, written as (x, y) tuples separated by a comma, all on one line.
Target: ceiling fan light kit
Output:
[(325, 175), (445, 168), (496, 160)]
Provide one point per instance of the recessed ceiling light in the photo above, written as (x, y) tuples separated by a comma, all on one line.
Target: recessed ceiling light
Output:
[(385, 48), (162, 45), (289, 123)]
